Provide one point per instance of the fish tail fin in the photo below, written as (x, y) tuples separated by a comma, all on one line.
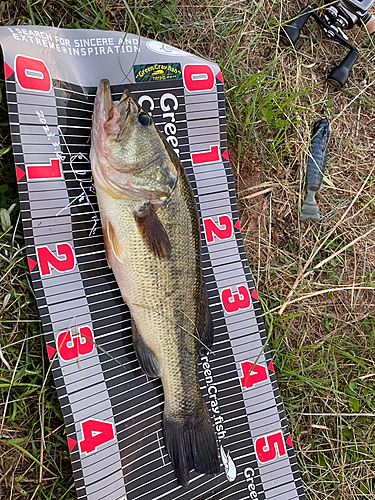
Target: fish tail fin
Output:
[(191, 444)]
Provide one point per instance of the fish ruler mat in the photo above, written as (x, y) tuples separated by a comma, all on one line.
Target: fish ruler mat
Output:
[(112, 411)]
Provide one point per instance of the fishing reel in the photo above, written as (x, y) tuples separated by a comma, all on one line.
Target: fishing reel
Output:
[(336, 18)]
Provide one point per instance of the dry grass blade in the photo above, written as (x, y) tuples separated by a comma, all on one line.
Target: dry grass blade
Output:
[(321, 292), (348, 245), (3, 360), (367, 415), (9, 391), (302, 274), (258, 193)]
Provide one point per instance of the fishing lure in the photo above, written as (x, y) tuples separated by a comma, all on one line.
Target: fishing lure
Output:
[(316, 166)]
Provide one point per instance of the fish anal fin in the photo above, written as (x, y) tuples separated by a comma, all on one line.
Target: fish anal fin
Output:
[(205, 325), (153, 232), (107, 246), (145, 355), (113, 242)]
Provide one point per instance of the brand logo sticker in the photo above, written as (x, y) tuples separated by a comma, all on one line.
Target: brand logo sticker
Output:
[(157, 72)]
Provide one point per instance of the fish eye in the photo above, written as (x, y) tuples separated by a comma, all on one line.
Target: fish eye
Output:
[(144, 118)]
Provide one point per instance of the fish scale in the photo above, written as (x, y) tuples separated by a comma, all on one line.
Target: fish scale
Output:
[(155, 290)]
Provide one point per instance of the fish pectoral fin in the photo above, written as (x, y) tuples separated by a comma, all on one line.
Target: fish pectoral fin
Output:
[(153, 232), (113, 243), (205, 325), (145, 355)]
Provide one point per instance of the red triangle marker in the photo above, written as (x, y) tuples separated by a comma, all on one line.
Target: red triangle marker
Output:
[(7, 71), (50, 351), (19, 173), (31, 263), (271, 368), (71, 443), (237, 225), (219, 76), (225, 154), (289, 441), (254, 294)]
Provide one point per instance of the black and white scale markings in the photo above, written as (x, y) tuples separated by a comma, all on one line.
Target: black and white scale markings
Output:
[(112, 412)]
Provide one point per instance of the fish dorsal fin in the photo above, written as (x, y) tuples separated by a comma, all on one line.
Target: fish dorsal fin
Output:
[(153, 232), (113, 242)]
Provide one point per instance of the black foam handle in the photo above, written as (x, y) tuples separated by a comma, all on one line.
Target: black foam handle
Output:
[(292, 30), (340, 74)]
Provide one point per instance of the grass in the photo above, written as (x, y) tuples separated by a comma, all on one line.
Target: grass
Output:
[(323, 336)]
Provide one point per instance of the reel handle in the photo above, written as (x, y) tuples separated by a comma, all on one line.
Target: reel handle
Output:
[(340, 74), (292, 30)]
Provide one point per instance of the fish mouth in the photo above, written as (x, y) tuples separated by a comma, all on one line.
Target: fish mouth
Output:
[(125, 96), (111, 119), (103, 101), (103, 106), (118, 116)]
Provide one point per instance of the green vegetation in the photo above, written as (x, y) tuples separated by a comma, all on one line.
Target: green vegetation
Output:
[(323, 335)]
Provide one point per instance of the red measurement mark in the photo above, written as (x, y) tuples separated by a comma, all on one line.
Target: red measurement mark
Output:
[(7, 71), (252, 374), (95, 433), (50, 351), (289, 441), (71, 443), (198, 77), (19, 173), (47, 259), (223, 230), (45, 172), (32, 74), (31, 263), (233, 302), (267, 448), (204, 157), (70, 347)]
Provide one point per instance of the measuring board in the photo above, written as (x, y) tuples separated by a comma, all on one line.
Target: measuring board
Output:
[(112, 411)]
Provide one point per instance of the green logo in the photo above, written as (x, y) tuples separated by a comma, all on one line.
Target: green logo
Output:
[(157, 72)]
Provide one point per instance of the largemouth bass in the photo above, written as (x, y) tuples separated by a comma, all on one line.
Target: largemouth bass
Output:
[(152, 243)]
